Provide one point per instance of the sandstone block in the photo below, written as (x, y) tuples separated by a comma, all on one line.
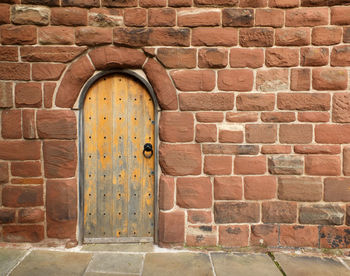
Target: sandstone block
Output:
[(7, 216), (286, 164), (180, 159), (194, 192), (206, 36), (189, 80), (279, 212), (56, 124), (176, 127), (61, 208), (26, 169), (260, 187), (31, 215), (260, 133), (212, 58), (30, 15), (177, 57), (270, 80), (256, 37), (206, 101), (296, 134), (238, 17), (4, 172), (255, 102), (322, 165), (235, 80), (236, 212), (217, 165), (329, 79), (299, 188), (341, 108), (60, 159), (292, 36), (6, 98), (337, 189), (11, 124), (298, 235), (228, 188), (241, 57), (250, 165), (166, 192), (23, 233), (22, 196), (236, 235), (206, 133), (172, 227), (264, 234), (321, 214)]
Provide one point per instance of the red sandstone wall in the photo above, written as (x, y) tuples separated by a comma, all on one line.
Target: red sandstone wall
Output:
[(254, 127)]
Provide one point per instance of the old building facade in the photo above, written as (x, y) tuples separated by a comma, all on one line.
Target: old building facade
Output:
[(250, 127)]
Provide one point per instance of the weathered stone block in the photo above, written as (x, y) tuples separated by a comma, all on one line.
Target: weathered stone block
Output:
[(60, 159), (22, 196), (300, 188), (6, 98), (172, 227), (7, 216), (4, 172), (56, 124), (176, 127), (194, 192), (180, 159), (61, 208), (23, 233), (166, 192), (286, 164), (235, 235), (30, 15), (337, 189), (321, 214), (279, 212), (236, 212)]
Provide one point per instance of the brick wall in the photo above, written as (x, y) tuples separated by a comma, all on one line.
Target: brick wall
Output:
[(254, 124)]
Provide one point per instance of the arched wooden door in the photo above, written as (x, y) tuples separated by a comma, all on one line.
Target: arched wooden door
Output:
[(118, 120)]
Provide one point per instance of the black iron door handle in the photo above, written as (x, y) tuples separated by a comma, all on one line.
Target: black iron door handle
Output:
[(147, 148)]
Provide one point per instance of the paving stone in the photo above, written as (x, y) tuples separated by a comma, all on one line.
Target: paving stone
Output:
[(127, 247), (108, 274), (171, 264), (9, 258), (311, 266), (243, 264), (116, 263), (43, 263)]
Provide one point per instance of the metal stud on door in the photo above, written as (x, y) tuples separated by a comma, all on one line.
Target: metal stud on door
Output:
[(119, 179)]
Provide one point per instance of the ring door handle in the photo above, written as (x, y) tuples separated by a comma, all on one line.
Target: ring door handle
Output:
[(147, 150)]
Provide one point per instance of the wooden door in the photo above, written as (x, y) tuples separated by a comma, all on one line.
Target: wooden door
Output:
[(118, 178)]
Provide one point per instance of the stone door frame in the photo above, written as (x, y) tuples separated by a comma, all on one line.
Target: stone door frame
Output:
[(81, 100)]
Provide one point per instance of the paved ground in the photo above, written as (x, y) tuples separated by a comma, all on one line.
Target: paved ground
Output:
[(146, 259)]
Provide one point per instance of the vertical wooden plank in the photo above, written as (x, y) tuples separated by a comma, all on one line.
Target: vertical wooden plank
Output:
[(104, 155), (120, 166), (90, 163), (148, 166), (134, 159)]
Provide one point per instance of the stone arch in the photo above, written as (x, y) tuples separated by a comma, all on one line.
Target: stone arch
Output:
[(112, 57)]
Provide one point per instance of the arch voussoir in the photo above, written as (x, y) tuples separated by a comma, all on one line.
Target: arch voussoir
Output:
[(73, 81), (162, 85), (111, 57)]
